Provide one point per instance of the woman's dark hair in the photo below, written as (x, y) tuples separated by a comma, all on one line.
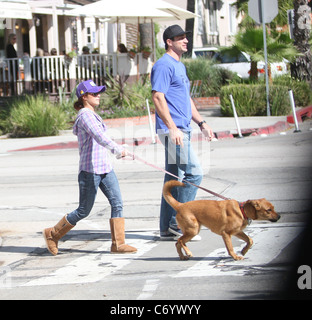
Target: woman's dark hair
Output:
[(79, 104)]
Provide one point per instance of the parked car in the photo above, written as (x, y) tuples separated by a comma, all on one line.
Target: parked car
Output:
[(239, 63)]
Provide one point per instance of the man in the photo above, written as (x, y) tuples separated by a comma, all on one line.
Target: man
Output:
[(174, 111)]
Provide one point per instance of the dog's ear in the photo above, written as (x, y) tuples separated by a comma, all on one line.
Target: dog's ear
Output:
[(250, 209), (255, 204)]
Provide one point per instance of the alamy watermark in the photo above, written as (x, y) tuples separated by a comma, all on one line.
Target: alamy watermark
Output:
[(5, 277), (304, 21), (140, 144), (305, 280), (6, 23)]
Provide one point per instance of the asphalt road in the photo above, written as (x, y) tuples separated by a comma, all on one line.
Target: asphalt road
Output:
[(38, 187)]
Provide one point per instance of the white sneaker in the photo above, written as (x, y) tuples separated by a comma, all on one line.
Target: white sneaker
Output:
[(179, 234)]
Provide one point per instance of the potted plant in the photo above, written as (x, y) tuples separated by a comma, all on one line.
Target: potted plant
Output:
[(132, 52), (146, 51), (70, 56)]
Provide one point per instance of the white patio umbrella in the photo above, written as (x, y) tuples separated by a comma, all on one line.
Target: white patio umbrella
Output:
[(122, 10), (177, 12), (130, 11)]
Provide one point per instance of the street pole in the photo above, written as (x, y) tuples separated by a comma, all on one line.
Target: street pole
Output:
[(150, 122), (266, 59), (293, 107), (236, 117)]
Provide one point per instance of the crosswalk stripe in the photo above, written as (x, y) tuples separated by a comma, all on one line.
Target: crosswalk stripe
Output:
[(92, 268), (269, 241), (149, 288)]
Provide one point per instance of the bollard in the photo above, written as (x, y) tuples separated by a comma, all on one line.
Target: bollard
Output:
[(236, 117), (293, 106), (150, 122)]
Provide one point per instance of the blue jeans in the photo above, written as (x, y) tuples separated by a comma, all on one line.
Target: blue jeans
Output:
[(183, 163), (88, 186)]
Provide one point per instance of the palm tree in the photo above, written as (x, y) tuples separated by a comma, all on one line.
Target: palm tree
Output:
[(280, 20), (251, 42), (302, 67)]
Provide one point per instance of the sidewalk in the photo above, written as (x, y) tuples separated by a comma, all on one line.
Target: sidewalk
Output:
[(132, 131)]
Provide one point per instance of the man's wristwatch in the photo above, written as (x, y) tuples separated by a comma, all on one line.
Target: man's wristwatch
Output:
[(201, 123)]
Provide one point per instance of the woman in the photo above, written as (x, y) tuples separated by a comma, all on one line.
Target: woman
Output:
[(95, 170), (10, 50)]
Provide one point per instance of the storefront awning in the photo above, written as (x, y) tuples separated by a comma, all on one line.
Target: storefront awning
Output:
[(15, 11)]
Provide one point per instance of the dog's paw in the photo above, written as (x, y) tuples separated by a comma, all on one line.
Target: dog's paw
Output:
[(188, 254), (237, 258), (184, 258)]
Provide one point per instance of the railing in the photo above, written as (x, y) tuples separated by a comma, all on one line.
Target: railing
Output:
[(96, 67), (49, 74)]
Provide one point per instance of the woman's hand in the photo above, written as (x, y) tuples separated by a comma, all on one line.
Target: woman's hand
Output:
[(124, 153)]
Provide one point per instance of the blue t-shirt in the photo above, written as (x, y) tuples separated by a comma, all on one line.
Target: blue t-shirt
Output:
[(169, 77)]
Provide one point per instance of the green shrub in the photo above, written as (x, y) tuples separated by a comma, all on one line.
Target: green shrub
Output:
[(66, 105), (301, 89), (250, 100), (123, 99), (35, 116), (213, 78)]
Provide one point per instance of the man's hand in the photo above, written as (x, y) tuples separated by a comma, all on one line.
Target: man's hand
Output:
[(207, 132), (176, 137)]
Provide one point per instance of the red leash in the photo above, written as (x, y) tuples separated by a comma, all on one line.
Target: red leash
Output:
[(241, 204), (171, 174)]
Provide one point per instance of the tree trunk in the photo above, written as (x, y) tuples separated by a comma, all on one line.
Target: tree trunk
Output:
[(253, 70), (302, 67), (189, 26)]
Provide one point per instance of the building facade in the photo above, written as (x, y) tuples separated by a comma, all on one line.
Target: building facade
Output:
[(49, 41), (215, 25), (46, 24)]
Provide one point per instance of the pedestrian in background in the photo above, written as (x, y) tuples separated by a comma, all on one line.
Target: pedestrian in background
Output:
[(10, 50), (13, 65), (174, 111), (95, 171)]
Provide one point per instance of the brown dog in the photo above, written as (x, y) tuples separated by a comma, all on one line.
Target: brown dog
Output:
[(226, 218)]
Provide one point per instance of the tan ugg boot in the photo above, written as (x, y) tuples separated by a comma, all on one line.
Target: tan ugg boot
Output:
[(54, 234), (117, 226)]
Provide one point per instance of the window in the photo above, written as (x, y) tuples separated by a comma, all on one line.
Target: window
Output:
[(232, 16), (200, 18), (89, 35), (212, 7)]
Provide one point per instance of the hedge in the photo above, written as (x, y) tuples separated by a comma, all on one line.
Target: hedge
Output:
[(250, 100)]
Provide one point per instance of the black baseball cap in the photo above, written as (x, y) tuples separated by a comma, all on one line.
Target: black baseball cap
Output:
[(173, 31)]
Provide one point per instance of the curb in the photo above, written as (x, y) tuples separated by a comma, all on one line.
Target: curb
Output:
[(301, 115), (277, 127)]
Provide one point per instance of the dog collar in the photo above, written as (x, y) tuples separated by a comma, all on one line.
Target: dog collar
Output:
[(241, 206)]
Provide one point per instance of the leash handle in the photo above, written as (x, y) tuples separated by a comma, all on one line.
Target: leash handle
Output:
[(134, 157)]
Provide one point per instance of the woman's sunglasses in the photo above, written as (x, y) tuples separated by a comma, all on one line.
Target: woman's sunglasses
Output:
[(94, 94)]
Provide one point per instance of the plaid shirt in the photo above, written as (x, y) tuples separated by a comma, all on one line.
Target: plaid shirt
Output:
[(94, 143)]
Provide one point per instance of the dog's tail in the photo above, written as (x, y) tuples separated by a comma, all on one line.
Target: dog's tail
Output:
[(167, 193)]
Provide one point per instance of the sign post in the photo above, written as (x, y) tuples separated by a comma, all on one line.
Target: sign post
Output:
[(264, 11)]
